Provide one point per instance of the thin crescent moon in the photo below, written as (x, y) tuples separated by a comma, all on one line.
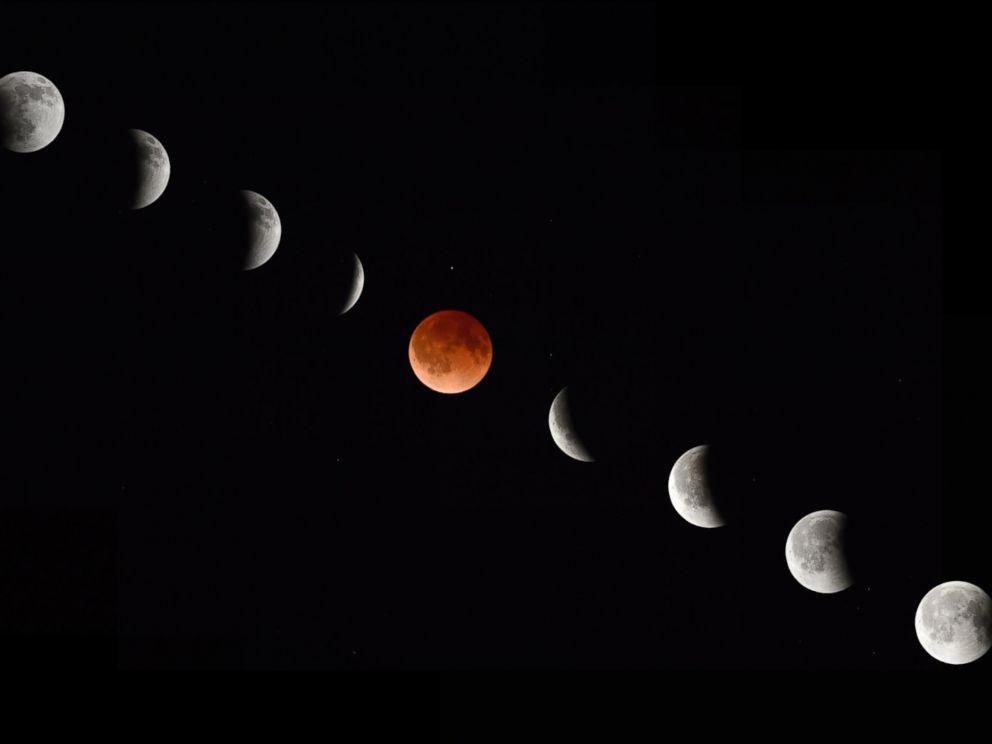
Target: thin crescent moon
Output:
[(357, 285)]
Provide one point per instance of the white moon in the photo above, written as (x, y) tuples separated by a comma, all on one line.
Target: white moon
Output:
[(153, 168), (265, 230), (31, 111), (357, 284), (815, 552), (954, 622), (690, 490), (563, 429)]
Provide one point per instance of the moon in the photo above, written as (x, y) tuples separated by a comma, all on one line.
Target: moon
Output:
[(563, 429), (815, 552), (690, 489), (31, 111), (954, 622), (151, 168), (357, 284), (264, 230), (450, 351)]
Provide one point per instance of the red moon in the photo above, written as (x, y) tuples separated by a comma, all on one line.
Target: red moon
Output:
[(450, 351)]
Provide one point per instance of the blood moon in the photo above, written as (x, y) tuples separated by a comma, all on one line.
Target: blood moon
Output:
[(450, 351)]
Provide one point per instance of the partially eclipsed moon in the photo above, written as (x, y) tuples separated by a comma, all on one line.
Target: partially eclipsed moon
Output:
[(815, 552), (563, 429), (31, 111), (151, 169), (690, 489), (954, 622), (450, 351), (357, 284), (264, 230)]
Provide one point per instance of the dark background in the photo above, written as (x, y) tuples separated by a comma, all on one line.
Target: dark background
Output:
[(212, 469)]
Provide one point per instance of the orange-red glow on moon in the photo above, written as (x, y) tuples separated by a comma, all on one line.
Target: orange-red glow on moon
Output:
[(450, 351)]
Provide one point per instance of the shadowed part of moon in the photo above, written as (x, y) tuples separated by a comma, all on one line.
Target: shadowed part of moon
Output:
[(264, 230), (690, 489), (31, 111), (815, 552), (149, 169), (357, 284), (954, 622), (563, 430), (450, 351)]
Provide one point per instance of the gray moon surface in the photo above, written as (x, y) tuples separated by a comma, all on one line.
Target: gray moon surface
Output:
[(815, 552), (954, 622), (153, 168), (265, 230), (563, 429), (31, 111), (690, 489), (357, 284)]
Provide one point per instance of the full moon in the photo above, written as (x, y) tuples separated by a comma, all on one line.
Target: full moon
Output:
[(690, 490), (954, 622), (563, 430), (264, 230), (151, 168), (815, 552), (450, 351), (31, 111)]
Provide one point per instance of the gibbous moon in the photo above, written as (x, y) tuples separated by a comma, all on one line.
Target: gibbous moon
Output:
[(31, 111), (954, 622), (264, 230), (815, 552), (151, 168), (690, 489), (563, 429), (357, 284), (450, 351)]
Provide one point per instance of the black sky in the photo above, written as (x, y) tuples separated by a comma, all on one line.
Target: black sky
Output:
[(217, 470)]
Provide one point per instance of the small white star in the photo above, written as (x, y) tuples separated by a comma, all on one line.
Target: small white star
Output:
[(452, 268)]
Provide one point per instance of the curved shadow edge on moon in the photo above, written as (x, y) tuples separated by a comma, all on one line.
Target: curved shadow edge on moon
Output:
[(265, 230), (690, 489), (815, 552), (563, 429), (152, 166), (357, 284), (954, 622)]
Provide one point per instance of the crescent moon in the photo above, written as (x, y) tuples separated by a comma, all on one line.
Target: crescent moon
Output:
[(357, 285), (264, 230), (563, 429), (152, 168)]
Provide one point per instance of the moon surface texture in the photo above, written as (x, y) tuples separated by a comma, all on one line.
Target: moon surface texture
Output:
[(954, 622), (357, 285), (815, 552), (264, 230), (152, 168), (450, 351), (563, 431), (31, 111), (690, 489)]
